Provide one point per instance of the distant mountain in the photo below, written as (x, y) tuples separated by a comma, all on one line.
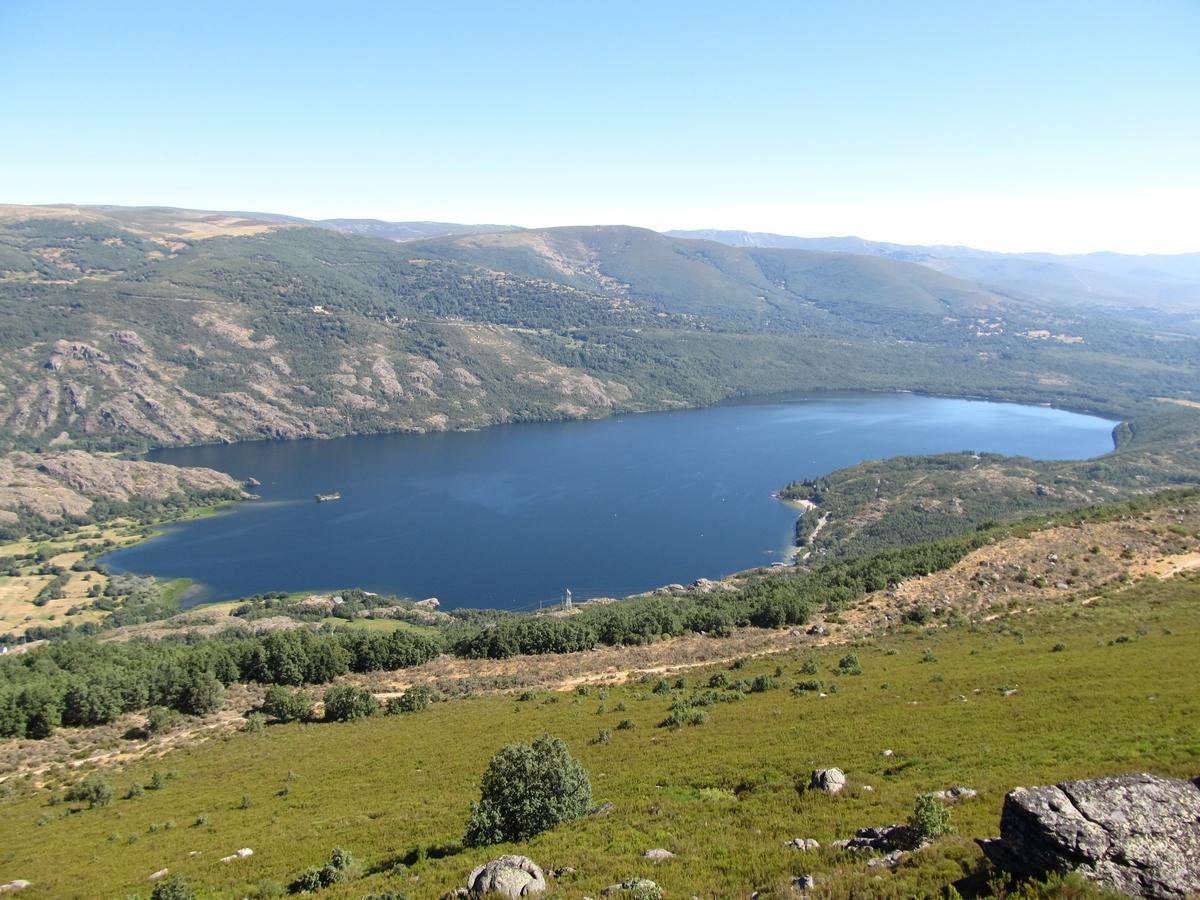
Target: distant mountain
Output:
[(122, 327), (406, 231), (750, 284), (1167, 282)]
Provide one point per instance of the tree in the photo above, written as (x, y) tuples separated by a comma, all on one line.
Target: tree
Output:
[(202, 694), (347, 703), (287, 705), (528, 789), (415, 699)]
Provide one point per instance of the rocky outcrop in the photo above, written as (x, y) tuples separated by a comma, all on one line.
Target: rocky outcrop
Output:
[(55, 486), (508, 876), (1136, 834)]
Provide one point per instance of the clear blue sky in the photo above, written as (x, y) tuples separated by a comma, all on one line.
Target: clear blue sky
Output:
[(1012, 125)]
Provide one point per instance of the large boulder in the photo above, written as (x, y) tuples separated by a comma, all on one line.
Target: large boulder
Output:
[(1136, 834), (830, 781), (509, 876)]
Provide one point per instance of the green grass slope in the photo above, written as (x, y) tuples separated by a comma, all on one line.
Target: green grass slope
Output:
[(721, 796)]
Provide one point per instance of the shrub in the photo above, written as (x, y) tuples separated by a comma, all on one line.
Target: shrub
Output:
[(1058, 648), (173, 887), (763, 683), (160, 720), (287, 705), (336, 870), (93, 791), (684, 715), (347, 703), (528, 789), (930, 820), (849, 665), (807, 685), (255, 722), (603, 737), (719, 680), (626, 725), (415, 699), (135, 791), (809, 667)]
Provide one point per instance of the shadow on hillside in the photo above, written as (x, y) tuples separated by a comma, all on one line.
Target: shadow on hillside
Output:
[(415, 855)]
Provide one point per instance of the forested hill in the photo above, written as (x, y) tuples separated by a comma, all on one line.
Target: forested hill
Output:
[(123, 327)]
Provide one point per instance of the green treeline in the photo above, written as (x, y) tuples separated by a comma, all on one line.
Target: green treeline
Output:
[(86, 682)]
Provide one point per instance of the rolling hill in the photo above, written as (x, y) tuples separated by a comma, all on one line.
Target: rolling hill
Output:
[(1167, 283), (129, 327)]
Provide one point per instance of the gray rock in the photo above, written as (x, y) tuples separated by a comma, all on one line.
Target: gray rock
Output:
[(563, 870), (890, 861), (12, 887), (639, 887), (802, 844), (951, 795), (509, 876), (1135, 834), (829, 781), (804, 883), (887, 839), (658, 854)]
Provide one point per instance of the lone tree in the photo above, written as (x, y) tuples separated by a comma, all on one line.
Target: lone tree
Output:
[(528, 789)]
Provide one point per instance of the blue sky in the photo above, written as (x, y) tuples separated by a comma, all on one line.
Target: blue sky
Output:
[(1056, 126)]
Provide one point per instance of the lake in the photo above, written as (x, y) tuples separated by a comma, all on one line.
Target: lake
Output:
[(512, 516)]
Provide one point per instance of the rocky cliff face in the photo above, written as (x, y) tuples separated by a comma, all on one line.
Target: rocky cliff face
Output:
[(56, 486)]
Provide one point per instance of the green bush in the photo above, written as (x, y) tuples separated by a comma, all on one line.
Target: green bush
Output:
[(287, 705), (528, 789), (930, 820), (849, 665), (94, 792), (160, 720), (763, 683), (335, 871), (347, 703), (173, 887), (415, 699)]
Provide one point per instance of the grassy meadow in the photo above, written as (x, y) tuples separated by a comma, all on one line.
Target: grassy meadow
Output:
[(1118, 695)]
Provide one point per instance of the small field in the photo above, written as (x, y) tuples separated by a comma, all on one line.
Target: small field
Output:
[(1026, 698), (18, 592)]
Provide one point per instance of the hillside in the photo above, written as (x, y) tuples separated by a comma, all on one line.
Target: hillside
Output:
[(128, 327), (897, 501), (957, 677), (746, 285), (1166, 283)]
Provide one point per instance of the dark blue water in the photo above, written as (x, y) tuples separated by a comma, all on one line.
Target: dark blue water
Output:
[(510, 516)]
